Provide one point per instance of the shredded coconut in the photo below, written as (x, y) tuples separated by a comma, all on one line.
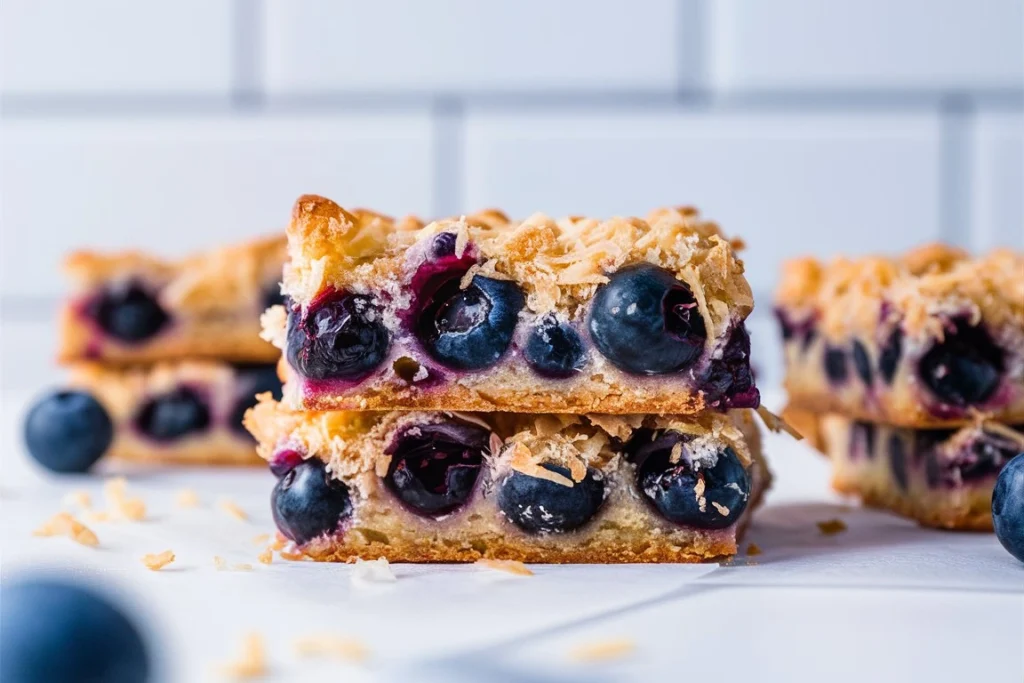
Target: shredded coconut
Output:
[(509, 566), (157, 561)]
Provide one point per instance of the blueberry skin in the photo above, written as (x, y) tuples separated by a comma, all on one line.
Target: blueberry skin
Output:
[(252, 380), (889, 357), (68, 431), (1008, 507), (645, 321), (539, 506), (554, 349), (862, 363), (129, 314), (836, 368), (173, 415), (308, 502), (470, 329), (344, 338), (965, 368), (60, 632), (671, 487)]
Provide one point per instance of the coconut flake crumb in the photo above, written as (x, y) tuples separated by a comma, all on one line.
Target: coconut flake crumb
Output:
[(253, 661), (241, 567), (722, 510), (121, 506), (348, 649), (231, 508), (373, 571), (753, 549), (261, 539), (603, 650), (157, 561), (78, 498), (509, 566), (267, 556), (63, 524), (186, 498), (288, 555), (831, 527)]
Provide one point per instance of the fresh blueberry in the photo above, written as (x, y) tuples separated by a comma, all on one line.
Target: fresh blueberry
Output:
[(730, 379), (308, 502), (836, 368), (1008, 507), (55, 631), (469, 329), (647, 322), (434, 467), (341, 338), (862, 363), (173, 415), (538, 505), (128, 313), (252, 380), (68, 431), (898, 460), (889, 356), (687, 491), (554, 349), (963, 369), (273, 296)]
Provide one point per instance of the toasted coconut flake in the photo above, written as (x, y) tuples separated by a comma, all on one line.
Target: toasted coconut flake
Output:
[(96, 516), (266, 557), (340, 647), (121, 506), (831, 527), (603, 650), (253, 660), (63, 524), (241, 567), (776, 424), (157, 561), (508, 566), (186, 498), (260, 539), (722, 510), (373, 571), (79, 498), (293, 557), (232, 509)]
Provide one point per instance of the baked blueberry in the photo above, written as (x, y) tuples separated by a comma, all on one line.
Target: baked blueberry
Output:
[(250, 381), (1008, 507), (470, 329), (964, 368), (862, 363), (835, 364), (898, 461), (68, 431), (538, 505), (443, 244), (862, 439), (889, 356), (173, 415), (308, 502), (647, 322), (730, 379), (434, 467), (697, 493), (554, 348), (342, 337), (128, 313), (59, 631)]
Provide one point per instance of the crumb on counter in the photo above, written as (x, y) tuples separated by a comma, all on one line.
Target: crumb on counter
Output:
[(78, 498), (121, 506), (373, 571), (186, 498), (219, 563), (267, 556), (753, 549), (348, 649), (63, 524), (288, 555), (603, 650), (831, 527), (157, 561), (508, 566), (253, 661), (96, 516), (260, 539), (232, 509)]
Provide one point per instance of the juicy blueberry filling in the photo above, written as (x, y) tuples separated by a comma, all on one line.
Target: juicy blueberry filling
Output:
[(964, 368), (341, 336), (128, 313), (539, 506), (836, 368), (730, 379), (308, 502), (862, 363), (434, 468), (982, 459), (889, 355), (173, 415)]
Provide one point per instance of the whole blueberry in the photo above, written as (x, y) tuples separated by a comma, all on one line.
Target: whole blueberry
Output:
[(862, 363), (645, 321), (554, 348), (251, 380), (55, 631), (691, 491), (1008, 507), (889, 356), (308, 502), (68, 431), (173, 415), (538, 505), (470, 329), (730, 379), (128, 313), (341, 338), (964, 368), (434, 468), (834, 361)]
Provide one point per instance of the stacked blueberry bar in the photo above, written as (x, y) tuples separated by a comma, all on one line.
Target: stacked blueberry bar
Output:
[(575, 390), (909, 373), (166, 356)]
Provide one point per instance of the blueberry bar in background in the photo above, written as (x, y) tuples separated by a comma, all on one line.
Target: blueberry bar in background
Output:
[(132, 307), (456, 487), (483, 313), (928, 339)]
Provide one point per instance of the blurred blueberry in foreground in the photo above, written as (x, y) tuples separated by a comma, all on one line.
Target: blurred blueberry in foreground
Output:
[(1008, 507), (68, 431), (56, 632)]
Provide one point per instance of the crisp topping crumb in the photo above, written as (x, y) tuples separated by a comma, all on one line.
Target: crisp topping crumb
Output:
[(267, 556), (121, 506), (294, 557), (280, 541), (510, 566), (603, 650), (753, 549), (157, 561), (698, 490), (186, 498), (373, 571), (260, 539), (80, 498), (348, 649), (63, 524), (831, 527), (253, 661), (722, 510), (231, 508), (677, 452), (219, 563)]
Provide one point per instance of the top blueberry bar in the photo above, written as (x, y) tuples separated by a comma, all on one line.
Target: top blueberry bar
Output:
[(483, 313), (931, 338)]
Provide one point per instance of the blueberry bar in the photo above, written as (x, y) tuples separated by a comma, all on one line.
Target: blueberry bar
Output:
[(130, 307), (928, 339), (939, 477), (483, 313), (188, 412), (456, 487)]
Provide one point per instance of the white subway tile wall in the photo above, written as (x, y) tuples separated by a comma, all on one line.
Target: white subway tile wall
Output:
[(804, 126)]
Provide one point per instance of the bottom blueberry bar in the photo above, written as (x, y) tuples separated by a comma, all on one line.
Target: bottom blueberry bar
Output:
[(458, 487), (939, 477), (185, 412)]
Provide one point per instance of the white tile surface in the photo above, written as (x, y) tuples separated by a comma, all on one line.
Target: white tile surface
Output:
[(455, 45), (789, 184), (868, 44), (998, 181), (59, 47), (178, 184)]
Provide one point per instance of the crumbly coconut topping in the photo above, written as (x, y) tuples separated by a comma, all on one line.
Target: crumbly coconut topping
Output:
[(64, 524), (918, 286)]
